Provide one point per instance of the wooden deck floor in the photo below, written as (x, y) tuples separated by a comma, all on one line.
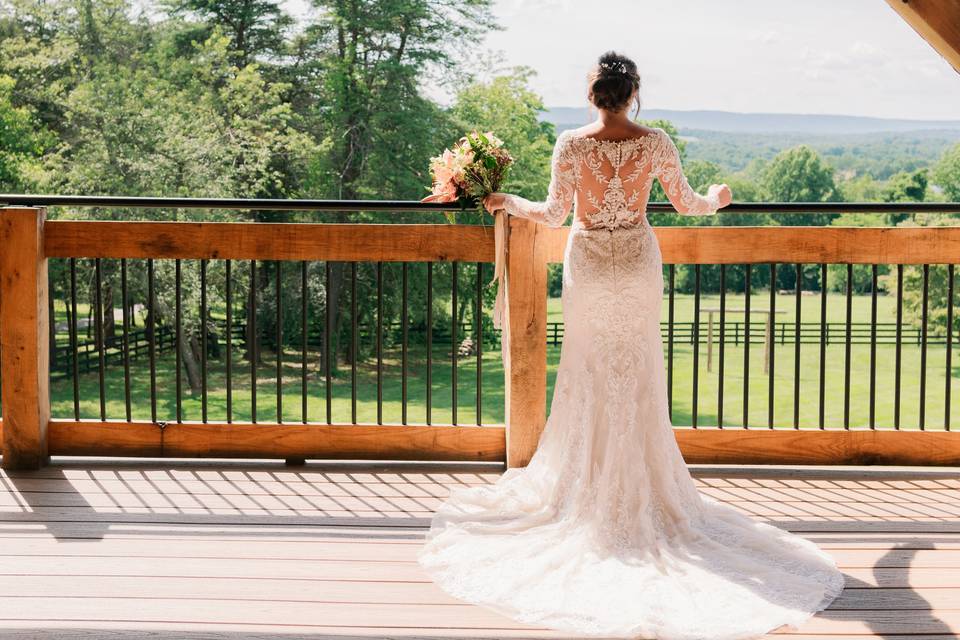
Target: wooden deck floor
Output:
[(99, 549)]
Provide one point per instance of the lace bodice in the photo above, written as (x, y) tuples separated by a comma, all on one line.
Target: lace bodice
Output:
[(609, 182)]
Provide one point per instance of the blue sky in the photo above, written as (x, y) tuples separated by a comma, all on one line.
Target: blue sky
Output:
[(853, 57)]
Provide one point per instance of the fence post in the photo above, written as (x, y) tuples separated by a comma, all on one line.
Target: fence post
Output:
[(24, 338), (525, 336)]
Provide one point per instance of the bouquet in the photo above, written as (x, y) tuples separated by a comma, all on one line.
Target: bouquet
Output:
[(474, 168), (468, 173)]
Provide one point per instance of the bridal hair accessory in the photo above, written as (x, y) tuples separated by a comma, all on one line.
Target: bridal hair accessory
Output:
[(466, 174), (613, 67)]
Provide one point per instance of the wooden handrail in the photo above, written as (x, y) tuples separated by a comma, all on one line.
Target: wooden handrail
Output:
[(267, 241), (809, 245)]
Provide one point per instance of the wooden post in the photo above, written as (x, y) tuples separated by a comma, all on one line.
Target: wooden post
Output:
[(525, 335), (24, 338)]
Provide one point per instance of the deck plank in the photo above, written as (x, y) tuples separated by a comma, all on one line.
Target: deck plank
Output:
[(217, 550)]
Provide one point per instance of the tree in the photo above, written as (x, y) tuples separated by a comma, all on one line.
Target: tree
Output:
[(799, 175), (946, 173), (862, 188), (170, 126), (255, 27), (22, 142), (379, 130), (906, 187)]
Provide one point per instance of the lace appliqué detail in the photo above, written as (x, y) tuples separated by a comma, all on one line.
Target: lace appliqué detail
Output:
[(615, 208), (609, 181)]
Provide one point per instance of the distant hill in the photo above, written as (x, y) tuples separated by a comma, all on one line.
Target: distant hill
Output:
[(731, 122)]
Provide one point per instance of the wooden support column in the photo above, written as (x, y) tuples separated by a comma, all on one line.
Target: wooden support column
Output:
[(24, 338), (525, 339)]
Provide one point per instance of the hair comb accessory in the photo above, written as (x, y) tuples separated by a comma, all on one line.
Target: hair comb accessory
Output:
[(614, 67)]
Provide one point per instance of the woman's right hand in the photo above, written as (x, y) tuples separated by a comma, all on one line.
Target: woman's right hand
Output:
[(495, 202), (723, 193)]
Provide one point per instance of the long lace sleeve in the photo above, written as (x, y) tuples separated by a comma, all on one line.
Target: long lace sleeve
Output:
[(554, 210), (667, 169)]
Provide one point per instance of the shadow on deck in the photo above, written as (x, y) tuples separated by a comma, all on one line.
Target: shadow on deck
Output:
[(99, 549)]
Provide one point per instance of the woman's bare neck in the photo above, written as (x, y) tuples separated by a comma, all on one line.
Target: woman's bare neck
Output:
[(613, 126)]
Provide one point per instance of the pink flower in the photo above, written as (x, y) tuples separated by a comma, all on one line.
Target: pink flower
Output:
[(445, 191)]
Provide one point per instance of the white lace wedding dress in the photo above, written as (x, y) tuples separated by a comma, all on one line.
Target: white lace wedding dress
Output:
[(604, 532)]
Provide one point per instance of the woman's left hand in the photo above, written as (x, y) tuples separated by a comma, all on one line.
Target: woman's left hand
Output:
[(722, 191), (494, 202)]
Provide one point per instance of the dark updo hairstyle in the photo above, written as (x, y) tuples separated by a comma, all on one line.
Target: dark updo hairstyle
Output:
[(612, 82)]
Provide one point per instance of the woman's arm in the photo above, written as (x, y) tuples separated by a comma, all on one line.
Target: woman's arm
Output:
[(667, 169), (554, 210)]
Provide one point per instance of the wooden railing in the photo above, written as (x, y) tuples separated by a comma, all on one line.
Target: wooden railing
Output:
[(30, 434)]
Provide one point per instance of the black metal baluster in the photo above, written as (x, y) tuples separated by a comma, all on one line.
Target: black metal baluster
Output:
[(746, 347), (74, 328), (949, 371), (847, 344), (873, 346), (772, 343), (152, 330), (304, 338), (671, 274), (203, 340), (403, 344), (126, 338), (354, 342), (823, 345), (229, 355), (429, 343), (846, 347), (696, 343), (253, 348), (379, 343), (279, 337), (898, 355), (178, 286), (479, 320), (328, 341), (923, 346), (101, 343), (453, 342), (723, 328), (796, 347)]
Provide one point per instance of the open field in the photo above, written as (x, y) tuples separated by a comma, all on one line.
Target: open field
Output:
[(492, 388)]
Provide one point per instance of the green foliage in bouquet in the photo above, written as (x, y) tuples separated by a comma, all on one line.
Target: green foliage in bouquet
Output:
[(475, 167)]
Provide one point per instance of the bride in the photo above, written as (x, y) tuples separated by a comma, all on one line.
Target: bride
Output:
[(604, 532)]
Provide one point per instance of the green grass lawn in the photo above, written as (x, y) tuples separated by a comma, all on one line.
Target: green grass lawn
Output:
[(492, 381), (809, 307)]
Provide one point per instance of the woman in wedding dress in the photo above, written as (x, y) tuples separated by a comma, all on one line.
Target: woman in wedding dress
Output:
[(604, 532)]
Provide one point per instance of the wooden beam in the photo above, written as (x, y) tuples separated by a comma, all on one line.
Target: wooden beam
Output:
[(24, 338), (816, 446), (525, 339), (741, 245), (937, 22), (272, 440), (704, 445), (105, 438), (267, 241)]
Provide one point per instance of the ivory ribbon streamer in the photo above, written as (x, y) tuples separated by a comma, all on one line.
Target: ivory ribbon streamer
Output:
[(501, 233)]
